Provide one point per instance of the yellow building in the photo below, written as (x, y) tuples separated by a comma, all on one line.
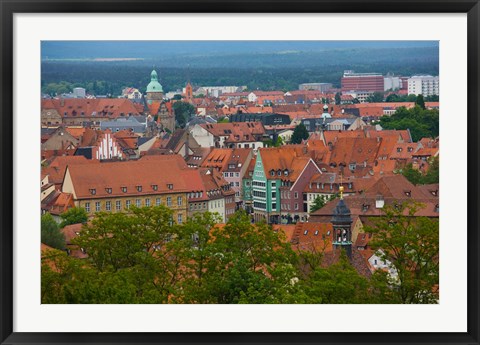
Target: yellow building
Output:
[(114, 187)]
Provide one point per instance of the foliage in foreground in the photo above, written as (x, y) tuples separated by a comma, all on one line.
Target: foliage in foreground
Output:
[(138, 257)]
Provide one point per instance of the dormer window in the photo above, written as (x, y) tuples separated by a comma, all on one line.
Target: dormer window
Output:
[(139, 188), (124, 189), (285, 172), (279, 172), (316, 233), (365, 207), (305, 232), (272, 173), (93, 191), (399, 149), (170, 186), (434, 192), (155, 187), (436, 208), (410, 149), (108, 190), (408, 193)]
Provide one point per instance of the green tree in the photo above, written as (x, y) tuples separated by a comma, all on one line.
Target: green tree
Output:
[(420, 101), (338, 98), (50, 232), (411, 245), (299, 133), (183, 111), (177, 97), (416, 177), (375, 97), (74, 215), (422, 123), (339, 283)]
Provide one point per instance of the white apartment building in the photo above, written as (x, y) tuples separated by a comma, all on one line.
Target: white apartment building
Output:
[(425, 85)]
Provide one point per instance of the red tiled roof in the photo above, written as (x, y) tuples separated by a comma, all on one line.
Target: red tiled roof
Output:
[(160, 171), (101, 107)]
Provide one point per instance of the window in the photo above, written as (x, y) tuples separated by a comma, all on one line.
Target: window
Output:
[(231, 174), (108, 190), (296, 195), (87, 207), (158, 201), (274, 195), (139, 188), (179, 201), (108, 205), (170, 186), (97, 206), (169, 201), (124, 189), (274, 206), (147, 202), (127, 204), (237, 184), (138, 202), (93, 191), (179, 218), (296, 206), (237, 174), (154, 187), (118, 205), (305, 232)]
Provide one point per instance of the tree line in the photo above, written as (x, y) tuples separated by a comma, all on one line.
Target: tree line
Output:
[(140, 257)]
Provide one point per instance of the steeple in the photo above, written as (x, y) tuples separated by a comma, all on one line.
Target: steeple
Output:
[(342, 226)]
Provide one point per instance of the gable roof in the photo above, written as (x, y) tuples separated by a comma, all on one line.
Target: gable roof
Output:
[(159, 171)]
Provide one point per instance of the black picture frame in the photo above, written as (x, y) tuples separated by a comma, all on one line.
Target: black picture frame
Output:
[(10, 7)]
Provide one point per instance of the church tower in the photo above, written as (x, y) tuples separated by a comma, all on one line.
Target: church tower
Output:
[(154, 88), (342, 226), (189, 92)]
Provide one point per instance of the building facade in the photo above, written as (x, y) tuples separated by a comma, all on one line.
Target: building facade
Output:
[(425, 85), (372, 82)]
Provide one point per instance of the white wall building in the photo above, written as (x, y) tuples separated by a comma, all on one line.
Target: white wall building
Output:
[(425, 85), (391, 83), (79, 92)]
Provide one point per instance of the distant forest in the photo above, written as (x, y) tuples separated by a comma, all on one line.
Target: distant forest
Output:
[(265, 71)]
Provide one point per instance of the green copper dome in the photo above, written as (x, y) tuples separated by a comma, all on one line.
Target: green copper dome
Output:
[(154, 85)]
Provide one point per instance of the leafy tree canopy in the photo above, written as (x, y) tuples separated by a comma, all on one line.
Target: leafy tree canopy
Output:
[(422, 123), (299, 133), (51, 234), (74, 215)]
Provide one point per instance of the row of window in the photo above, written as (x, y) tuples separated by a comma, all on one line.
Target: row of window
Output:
[(198, 206), (139, 188), (128, 203), (259, 184), (230, 174)]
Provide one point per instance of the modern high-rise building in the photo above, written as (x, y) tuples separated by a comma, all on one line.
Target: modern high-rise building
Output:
[(425, 85), (352, 81)]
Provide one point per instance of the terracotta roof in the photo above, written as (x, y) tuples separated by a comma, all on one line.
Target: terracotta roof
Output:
[(291, 157), (354, 150), (108, 179), (223, 158), (237, 131), (312, 236), (56, 169), (101, 107)]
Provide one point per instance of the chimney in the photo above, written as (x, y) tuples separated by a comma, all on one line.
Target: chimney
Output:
[(62, 102)]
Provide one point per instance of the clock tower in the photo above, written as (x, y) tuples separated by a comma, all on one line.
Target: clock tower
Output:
[(342, 226)]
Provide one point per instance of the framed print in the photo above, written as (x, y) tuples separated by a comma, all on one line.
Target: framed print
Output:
[(239, 172)]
